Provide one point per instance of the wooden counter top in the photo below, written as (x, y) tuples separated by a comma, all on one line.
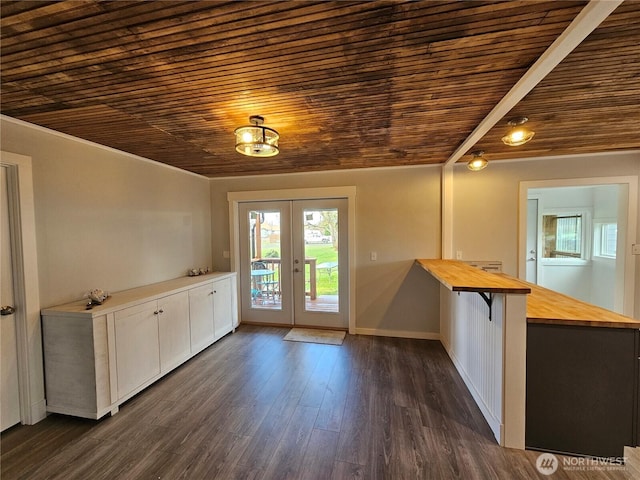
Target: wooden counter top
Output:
[(458, 276), (547, 306), (543, 305)]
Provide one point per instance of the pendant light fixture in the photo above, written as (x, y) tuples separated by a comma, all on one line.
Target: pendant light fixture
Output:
[(478, 162), (518, 134), (257, 140)]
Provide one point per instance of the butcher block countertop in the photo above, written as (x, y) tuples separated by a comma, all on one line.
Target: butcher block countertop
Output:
[(547, 306), (458, 276), (543, 305)]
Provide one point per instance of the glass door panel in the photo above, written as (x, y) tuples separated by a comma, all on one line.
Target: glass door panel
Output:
[(319, 252), (265, 253), (265, 282), (321, 272)]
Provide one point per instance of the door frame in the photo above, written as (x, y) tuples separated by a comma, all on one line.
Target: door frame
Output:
[(348, 192), (631, 182), (26, 289)]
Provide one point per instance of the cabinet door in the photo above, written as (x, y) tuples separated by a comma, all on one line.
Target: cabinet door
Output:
[(222, 307), (174, 331), (201, 317), (137, 346)]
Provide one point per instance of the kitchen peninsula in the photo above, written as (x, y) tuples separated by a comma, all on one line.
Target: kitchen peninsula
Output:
[(582, 377), (548, 372)]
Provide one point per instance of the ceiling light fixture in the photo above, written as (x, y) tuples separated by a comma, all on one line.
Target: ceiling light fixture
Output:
[(257, 140), (478, 162), (518, 134)]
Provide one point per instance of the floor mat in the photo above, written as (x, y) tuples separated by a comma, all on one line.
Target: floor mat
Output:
[(309, 335)]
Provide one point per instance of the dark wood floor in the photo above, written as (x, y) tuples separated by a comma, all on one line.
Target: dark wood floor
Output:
[(256, 407)]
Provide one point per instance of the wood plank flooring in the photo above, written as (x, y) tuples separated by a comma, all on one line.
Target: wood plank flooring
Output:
[(253, 406)]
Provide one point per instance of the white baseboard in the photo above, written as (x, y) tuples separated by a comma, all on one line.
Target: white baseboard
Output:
[(38, 412), (398, 333)]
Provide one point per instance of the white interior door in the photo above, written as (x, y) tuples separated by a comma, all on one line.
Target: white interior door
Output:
[(532, 240), (9, 388), (293, 262)]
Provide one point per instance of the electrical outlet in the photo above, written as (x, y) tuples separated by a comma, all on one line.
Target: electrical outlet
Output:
[(374, 256), (459, 255), (635, 249), (226, 254)]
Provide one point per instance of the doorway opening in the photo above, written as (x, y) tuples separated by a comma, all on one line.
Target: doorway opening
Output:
[(294, 254), (576, 236), (291, 254)]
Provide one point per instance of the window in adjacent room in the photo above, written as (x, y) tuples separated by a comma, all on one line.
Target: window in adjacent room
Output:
[(606, 239), (562, 236)]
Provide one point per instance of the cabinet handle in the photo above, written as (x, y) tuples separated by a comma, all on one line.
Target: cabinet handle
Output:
[(161, 311), (215, 291), (211, 293), (155, 313)]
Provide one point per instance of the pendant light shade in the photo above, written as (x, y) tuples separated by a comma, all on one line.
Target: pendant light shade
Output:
[(257, 140), (478, 162), (518, 134)]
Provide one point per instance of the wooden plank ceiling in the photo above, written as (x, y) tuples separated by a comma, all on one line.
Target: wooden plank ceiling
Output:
[(346, 84)]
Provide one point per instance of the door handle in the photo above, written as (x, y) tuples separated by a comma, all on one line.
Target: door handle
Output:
[(7, 310), (296, 270)]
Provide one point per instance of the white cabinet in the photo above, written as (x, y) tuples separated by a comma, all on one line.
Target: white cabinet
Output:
[(224, 315), (137, 346), (213, 312), (78, 377), (150, 339), (201, 315), (97, 359), (174, 330)]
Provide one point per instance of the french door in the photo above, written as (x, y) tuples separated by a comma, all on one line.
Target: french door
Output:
[(293, 261)]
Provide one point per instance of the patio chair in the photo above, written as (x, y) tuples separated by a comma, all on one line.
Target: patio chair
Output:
[(265, 285)]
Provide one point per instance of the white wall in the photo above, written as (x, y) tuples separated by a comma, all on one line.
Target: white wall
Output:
[(486, 203), (107, 219), (604, 281), (397, 216)]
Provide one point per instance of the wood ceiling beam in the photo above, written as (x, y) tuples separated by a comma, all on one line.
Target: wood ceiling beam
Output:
[(592, 15)]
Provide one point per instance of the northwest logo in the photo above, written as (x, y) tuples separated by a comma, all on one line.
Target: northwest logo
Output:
[(547, 463)]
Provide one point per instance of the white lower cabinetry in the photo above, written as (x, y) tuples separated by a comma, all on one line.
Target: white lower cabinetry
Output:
[(137, 346), (97, 359), (174, 330), (201, 312), (224, 314)]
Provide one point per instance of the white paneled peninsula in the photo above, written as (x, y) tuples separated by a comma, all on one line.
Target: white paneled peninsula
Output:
[(97, 359)]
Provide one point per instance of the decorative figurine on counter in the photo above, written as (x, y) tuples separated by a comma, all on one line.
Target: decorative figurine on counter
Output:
[(96, 297), (194, 272)]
